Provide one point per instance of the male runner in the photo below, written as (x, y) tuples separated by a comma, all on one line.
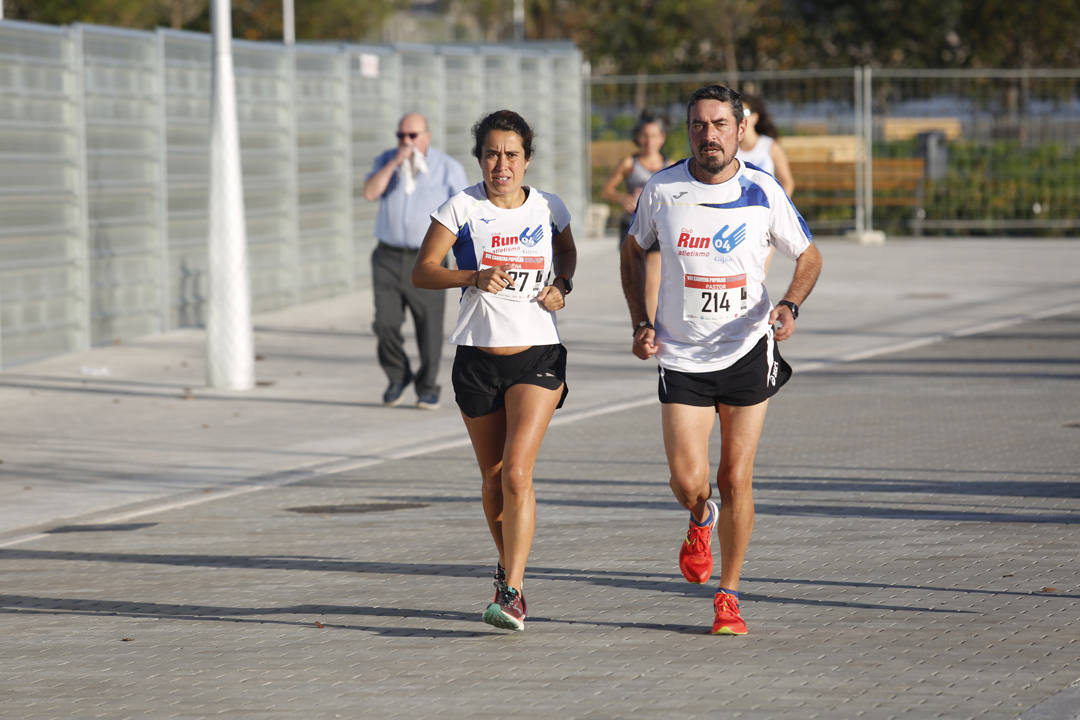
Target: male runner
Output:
[(716, 219)]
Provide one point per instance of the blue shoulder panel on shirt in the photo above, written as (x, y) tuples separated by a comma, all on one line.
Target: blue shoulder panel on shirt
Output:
[(464, 252), (752, 195)]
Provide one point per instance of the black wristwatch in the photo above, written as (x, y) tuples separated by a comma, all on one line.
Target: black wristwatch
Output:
[(568, 284), (791, 306), (643, 324)]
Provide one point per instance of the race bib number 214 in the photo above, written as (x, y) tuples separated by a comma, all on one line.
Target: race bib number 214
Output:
[(714, 298)]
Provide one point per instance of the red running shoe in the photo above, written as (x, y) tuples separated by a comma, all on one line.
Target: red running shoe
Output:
[(728, 620), (508, 611), (695, 555)]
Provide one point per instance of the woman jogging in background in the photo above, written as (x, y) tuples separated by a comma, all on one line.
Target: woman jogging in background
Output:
[(759, 148), (634, 171), (509, 372), (758, 145)]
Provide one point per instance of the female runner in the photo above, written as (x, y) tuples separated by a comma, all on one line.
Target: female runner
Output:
[(515, 262)]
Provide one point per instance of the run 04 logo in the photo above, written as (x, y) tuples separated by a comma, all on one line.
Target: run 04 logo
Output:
[(526, 237), (724, 241)]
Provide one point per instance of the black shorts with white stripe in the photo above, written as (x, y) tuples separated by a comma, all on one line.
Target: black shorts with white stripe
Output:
[(753, 379)]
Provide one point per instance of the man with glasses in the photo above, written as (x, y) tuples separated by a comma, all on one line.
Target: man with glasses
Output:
[(410, 181)]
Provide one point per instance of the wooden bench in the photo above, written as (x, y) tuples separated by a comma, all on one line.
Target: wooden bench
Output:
[(897, 182), (608, 153), (605, 156), (905, 128), (823, 166), (824, 148)]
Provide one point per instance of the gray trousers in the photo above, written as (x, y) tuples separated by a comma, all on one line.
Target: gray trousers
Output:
[(391, 271)]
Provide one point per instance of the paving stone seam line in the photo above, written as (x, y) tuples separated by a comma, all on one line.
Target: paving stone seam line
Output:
[(938, 337), (303, 473)]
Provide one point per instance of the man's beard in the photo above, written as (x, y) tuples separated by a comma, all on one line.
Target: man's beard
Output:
[(712, 164)]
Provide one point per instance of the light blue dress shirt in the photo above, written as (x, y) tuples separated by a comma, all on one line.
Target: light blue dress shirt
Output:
[(403, 219)]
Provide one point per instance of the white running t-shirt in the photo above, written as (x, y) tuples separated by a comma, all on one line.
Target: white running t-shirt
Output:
[(714, 241), (488, 235), (760, 154)]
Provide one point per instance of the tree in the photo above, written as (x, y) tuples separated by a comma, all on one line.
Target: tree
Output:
[(182, 12), (1001, 34), (346, 20), (123, 13), (724, 37)]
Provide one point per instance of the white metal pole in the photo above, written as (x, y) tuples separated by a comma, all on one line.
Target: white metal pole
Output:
[(519, 20), (868, 130), (229, 347), (288, 22), (860, 154)]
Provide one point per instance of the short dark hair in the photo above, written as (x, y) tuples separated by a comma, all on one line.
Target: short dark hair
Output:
[(646, 118), (716, 92), (506, 120)]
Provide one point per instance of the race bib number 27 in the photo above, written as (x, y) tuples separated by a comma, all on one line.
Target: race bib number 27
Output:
[(526, 274), (714, 298)]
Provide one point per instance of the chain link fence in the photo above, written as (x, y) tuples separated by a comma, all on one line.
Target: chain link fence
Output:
[(904, 152), (104, 166)]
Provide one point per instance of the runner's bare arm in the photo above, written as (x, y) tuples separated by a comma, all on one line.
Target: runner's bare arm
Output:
[(632, 270), (564, 262), (807, 270), (428, 271)]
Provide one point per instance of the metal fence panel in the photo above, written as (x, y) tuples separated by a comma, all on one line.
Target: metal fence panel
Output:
[(104, 166), (375, 106), (186, 66), (324, 172), (538, 108), (423, 87), (125, 194), (568, 143), (816, 108), (464, 69), (264, 105), (502, 79), (999, 150), (43, 286), (904, 152)]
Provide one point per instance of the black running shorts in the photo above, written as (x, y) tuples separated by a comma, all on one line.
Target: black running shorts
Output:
[(482, 379), (754, 378)]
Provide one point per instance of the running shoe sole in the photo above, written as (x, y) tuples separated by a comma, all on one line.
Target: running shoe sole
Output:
[(728, 631), (494, 615)]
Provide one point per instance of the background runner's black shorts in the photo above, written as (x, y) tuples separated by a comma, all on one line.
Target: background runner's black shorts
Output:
[(481, 379), (754, 378)]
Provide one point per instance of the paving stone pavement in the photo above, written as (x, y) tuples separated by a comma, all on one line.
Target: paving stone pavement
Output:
[(174, 552)]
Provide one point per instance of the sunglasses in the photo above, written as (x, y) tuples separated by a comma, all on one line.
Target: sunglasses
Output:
[(411, 136)]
